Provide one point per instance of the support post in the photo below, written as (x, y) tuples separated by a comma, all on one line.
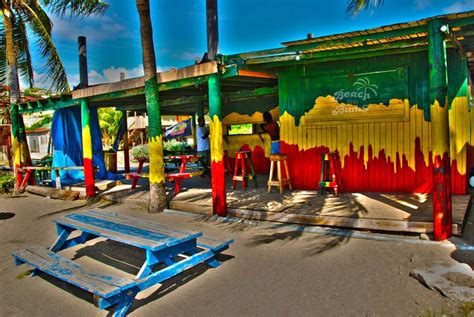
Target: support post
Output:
[(82, 48), (219, 205), (438, 93), (126, 150), (212, 29), (87, 149), (193, 125)]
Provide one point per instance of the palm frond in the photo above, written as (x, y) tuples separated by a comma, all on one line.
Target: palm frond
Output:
[(79, 8), (54, 67), (354, 7), (23, 56), (3, 56)]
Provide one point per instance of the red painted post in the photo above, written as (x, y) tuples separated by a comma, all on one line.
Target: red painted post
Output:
[(438, 91)]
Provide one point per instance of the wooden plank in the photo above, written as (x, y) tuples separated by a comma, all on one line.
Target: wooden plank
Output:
[(73, 273), (134, 83), (213, 243), (125, 231), (333, 221), (145, 224), (251, 73)]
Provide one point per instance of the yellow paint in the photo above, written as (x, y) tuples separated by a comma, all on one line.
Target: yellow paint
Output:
[(157, 164), (327, 110), (16, 152), (395, 136), (86, 142), (217, 148), (256, 117), (440, 144), (235, 142)]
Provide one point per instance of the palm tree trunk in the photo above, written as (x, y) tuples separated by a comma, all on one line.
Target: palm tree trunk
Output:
[(155, 138), (19, 143)]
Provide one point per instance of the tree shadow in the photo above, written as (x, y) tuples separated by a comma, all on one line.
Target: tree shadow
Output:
[(177, 281), (65, 210), (6, 215)]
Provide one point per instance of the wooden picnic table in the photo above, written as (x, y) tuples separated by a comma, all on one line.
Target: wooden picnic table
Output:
[(161, 244), (30, 169), (177, 178)]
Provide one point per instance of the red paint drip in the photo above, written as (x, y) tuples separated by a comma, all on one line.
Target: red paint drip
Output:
[(219, 205), (379, 174), (442, 209), (89, 177)]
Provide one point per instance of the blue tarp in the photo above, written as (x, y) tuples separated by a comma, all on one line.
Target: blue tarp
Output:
[(67, 142)]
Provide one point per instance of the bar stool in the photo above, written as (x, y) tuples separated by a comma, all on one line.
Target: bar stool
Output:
[(328, 180), (280, 181), (241, 159)]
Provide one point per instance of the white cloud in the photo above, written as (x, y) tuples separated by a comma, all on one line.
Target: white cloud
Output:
[(460, 6), (95, 28), (111, 74), (107, 75), (423, 4)]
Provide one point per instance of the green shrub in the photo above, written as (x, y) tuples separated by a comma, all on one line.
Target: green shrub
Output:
[(140, 152), (7, 183)]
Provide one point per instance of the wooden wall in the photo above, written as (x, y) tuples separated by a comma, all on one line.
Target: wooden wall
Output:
[(383, 142)]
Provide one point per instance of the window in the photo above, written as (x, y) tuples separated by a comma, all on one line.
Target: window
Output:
[(239, 129)]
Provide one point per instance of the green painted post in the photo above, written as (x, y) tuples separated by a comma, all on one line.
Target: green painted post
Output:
[(217, 147), (87, 149), (438, 93), (15, 116)]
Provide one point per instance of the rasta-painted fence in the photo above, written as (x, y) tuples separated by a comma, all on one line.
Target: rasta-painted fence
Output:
[(375, 112)]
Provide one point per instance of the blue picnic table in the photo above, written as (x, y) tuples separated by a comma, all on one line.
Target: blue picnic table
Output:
[(161, 243)]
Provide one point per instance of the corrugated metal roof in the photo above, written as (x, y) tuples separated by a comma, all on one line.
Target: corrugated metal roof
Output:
[(398, 26)]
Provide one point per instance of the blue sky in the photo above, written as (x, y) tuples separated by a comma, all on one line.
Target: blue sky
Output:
[(245, 25)]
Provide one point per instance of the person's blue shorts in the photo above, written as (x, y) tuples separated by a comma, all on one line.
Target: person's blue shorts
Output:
[(275, 147)]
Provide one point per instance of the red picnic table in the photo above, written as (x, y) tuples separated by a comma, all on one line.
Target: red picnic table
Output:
[(177, 178)]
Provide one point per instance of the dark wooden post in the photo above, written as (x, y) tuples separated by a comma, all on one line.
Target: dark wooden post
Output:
[(438, 92), (82, 49), (126, 150), (219, 204), (85, 121)]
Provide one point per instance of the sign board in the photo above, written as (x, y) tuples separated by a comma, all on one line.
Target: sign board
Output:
[(380, 96)]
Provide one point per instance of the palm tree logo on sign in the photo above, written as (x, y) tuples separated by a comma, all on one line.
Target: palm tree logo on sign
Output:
[(364, 86)]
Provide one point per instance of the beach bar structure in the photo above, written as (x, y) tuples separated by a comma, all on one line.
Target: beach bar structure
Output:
[(393, 103)]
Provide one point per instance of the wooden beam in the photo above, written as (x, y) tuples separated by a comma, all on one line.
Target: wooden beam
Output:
[(332, 221), (251, 73), (364, 50), (139, 83)]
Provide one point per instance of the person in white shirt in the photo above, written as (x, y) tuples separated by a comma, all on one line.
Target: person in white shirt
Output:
[(203, 147)]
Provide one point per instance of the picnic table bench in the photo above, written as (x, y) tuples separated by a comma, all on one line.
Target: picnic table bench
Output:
[(30, 169), (177, 177), (161, 243)]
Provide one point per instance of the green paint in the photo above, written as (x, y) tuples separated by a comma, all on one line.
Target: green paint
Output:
[(15, 121), (335, 54), (437, 63), (85, 114), (299, 85), (215, 99), (153, 107)]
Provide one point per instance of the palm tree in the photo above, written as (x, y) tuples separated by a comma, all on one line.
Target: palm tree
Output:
[(19, 19), (157, 198), (355, 6)]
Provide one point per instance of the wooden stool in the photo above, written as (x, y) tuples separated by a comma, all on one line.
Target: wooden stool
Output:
[(328, 180), (242, 157), (279, 182)]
